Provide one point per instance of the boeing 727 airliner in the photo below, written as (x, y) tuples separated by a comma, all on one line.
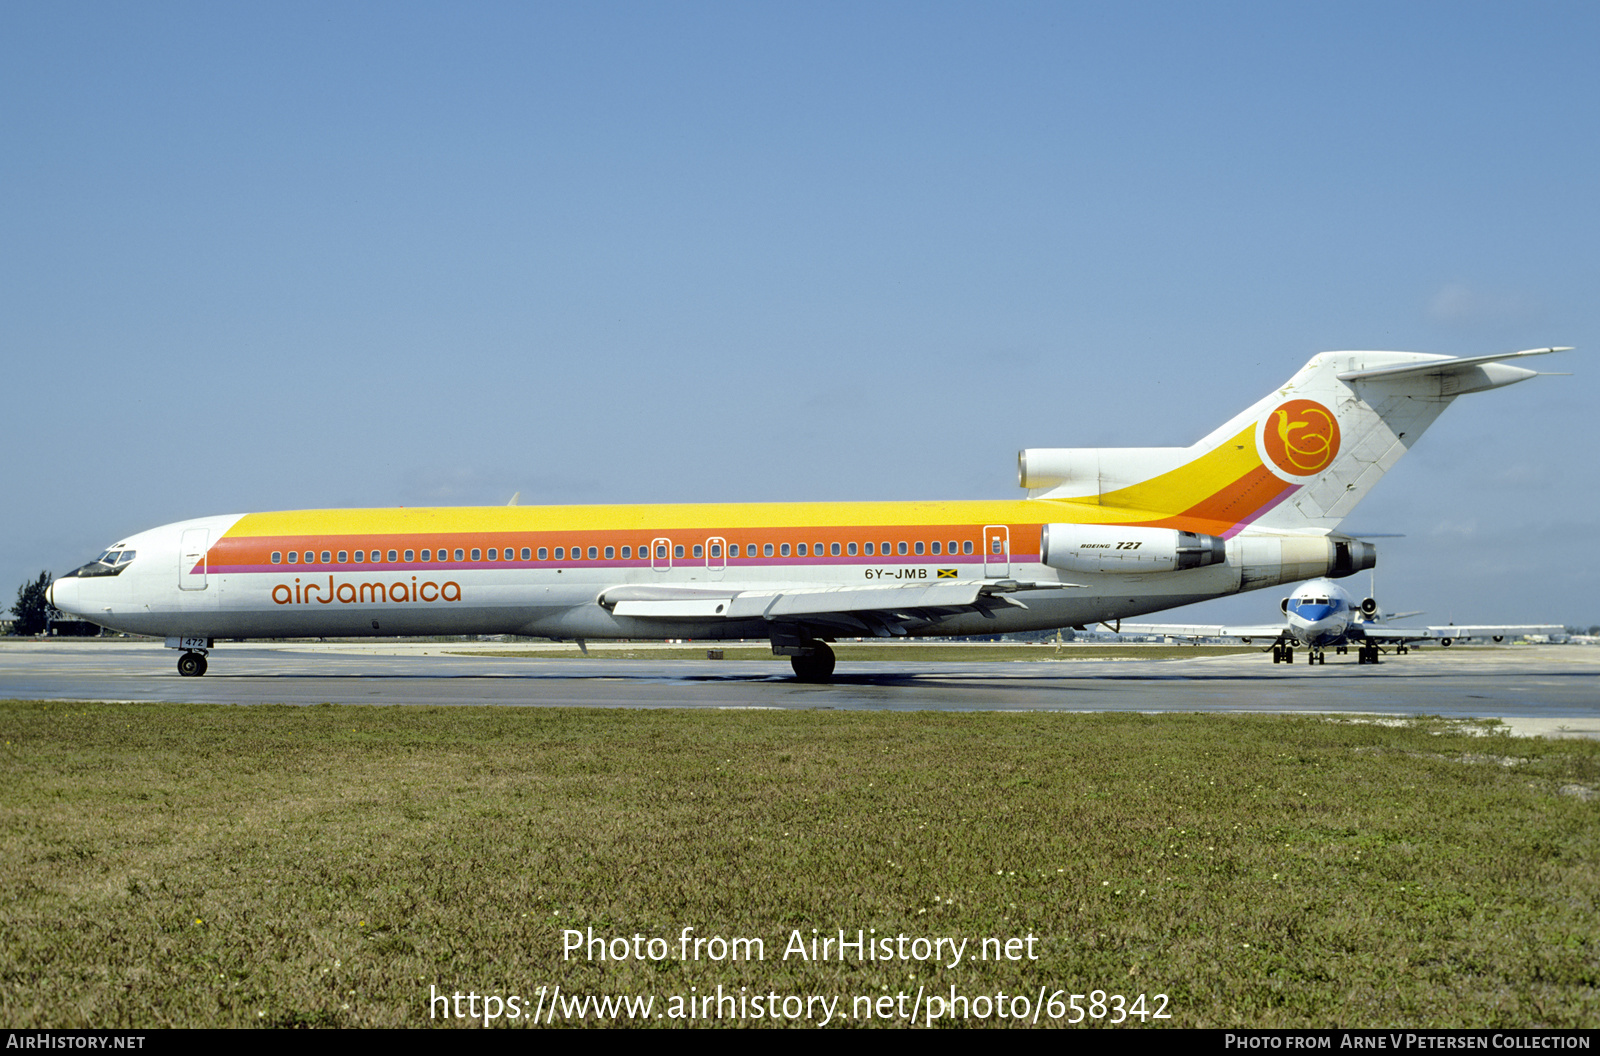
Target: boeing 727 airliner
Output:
[(1103, 534)]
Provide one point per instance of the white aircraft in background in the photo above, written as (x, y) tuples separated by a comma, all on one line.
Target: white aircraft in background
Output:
[(1104, 533), (1320, 615)]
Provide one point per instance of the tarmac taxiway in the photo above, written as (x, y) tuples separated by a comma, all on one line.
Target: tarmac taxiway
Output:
[(1546, 690)]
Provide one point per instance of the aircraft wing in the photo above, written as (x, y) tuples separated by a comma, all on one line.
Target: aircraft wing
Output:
[(1390, 635), (1188, 630), (878, 610), (1495, 632)]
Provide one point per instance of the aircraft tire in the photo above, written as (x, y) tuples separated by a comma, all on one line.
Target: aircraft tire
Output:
[(818, 667), (192, 664), (1446, 642)]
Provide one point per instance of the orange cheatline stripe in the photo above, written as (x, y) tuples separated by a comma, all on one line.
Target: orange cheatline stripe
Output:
[(1231, 507)]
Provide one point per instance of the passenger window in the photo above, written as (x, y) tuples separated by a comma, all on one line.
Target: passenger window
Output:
[(661, 552), (952, 546), (627, 552), (902, 547), (411, 555), (677, 551), (361, 557), (835, 549), (850, 547), (994, 545), (783, 550), (716, 549), (477, 555), (699, 551), (886, 549), (733, 549), (544, 554), (427, 555), (494, 553), (327, 557), (461, 555), (561, 553), (294, 557), (966, 546), (611, 553), (869, 550), (393, 556), (918, 547), (527, 554), (819, 551), (801, 550), (593, 553), (935, 547), (277, 557), (767, 549)]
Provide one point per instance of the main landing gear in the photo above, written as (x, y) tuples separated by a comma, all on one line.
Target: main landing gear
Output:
[(1283, 654), (192, 664), (1368, 653), (817, 667)]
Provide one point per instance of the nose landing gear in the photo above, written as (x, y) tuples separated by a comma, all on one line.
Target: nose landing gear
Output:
[(192, 663)]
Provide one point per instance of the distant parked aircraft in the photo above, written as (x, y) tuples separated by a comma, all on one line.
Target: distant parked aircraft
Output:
[(1320, 615)]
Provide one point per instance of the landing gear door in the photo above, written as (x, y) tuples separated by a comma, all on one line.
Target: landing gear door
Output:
[(996, 551), (192, 559)]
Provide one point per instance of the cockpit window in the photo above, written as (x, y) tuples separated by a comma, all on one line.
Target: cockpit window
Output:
[(110, 563)]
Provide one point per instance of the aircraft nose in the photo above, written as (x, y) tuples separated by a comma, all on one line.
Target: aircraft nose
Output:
[(63, 594)]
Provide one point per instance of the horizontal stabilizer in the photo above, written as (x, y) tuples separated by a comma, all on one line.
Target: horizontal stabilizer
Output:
[(1443, 366)]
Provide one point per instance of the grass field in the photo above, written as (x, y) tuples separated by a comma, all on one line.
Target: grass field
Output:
[(200, 865)]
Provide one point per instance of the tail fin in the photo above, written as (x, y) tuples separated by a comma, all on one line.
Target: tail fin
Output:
[(1299, 459)]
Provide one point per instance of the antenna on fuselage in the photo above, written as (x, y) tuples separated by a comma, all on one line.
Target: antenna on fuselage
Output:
[(514, 497)]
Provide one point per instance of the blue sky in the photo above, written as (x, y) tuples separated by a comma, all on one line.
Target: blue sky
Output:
[(284, 256)]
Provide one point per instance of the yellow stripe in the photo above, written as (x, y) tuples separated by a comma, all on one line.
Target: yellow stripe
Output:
[(1190, 484), (725, 516)]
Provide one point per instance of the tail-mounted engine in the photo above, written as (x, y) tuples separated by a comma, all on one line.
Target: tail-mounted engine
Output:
[(1351, 556), (1094, 548)]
